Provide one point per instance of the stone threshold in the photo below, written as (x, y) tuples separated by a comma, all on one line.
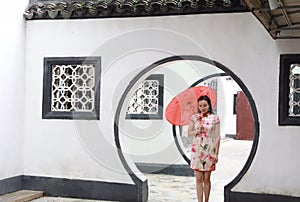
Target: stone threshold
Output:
[(21, 196)]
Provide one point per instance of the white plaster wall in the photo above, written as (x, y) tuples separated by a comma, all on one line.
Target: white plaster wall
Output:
[(12, 40), (66, 148), (275, 167), (127, 46)]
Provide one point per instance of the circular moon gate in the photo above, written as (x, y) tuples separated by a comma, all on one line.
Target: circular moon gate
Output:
[(140, 185)]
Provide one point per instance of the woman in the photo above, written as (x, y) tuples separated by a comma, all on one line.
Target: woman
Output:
[(205, 126)]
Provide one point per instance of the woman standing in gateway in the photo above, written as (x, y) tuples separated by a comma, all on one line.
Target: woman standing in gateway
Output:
[(205, 126)]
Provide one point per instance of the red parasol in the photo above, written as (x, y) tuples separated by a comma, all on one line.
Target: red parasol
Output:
[(184, 105)]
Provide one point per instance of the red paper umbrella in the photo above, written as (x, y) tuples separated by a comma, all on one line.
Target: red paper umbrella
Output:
[(184, 105)]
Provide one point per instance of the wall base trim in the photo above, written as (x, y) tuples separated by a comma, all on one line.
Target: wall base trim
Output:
[(74, 188), (11, 184), (259, 197)]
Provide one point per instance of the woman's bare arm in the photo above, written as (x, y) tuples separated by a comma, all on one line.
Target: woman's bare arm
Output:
[(218, 138), (191, 131)]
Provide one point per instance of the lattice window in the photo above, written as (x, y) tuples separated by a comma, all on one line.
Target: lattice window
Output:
[(289, 90), (71, 88), (145, 99), (294, 102), (146, 102)]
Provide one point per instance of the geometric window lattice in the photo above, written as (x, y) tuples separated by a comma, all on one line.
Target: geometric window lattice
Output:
[(294, 95), (71, 88), (145, 99), (146, 102)]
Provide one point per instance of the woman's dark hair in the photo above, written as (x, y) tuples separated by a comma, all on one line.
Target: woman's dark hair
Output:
[(207, 99)]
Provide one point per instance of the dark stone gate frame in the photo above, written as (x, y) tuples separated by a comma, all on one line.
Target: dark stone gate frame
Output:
[(141, 185)]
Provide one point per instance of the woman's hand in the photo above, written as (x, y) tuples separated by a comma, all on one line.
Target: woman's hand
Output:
[(215, 158), (202, 129), (197, 131)]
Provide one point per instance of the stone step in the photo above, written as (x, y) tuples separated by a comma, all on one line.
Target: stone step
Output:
[(21, 196)]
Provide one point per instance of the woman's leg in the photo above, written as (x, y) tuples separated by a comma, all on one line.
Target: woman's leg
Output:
[(207, 185), (199, 185)]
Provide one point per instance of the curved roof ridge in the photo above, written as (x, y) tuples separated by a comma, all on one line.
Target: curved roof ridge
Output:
[(79, 9)]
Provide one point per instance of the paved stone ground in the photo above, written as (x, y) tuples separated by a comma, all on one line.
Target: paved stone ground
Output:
[(166, 188), (233, 156)]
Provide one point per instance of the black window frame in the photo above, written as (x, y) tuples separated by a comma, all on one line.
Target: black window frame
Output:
[(234, 103), (159, 114), (47, 86), (283, 109)]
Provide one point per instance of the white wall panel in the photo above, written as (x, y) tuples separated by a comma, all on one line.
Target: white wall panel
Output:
[(12, 54), (129, 45)]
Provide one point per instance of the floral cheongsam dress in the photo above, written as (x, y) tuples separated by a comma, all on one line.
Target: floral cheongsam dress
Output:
[(203, 147)]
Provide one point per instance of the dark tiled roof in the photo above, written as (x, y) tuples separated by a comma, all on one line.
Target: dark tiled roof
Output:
[(67, 9)]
